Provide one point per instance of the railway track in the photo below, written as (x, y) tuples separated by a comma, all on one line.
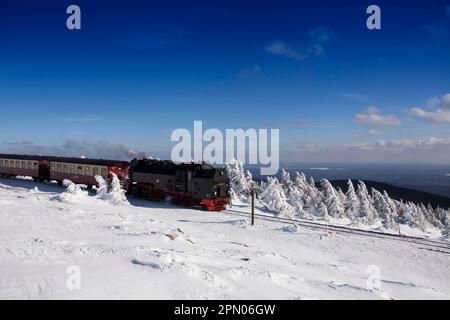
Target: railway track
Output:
[(429, 244)]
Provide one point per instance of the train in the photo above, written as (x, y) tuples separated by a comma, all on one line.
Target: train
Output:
[(199, 185)]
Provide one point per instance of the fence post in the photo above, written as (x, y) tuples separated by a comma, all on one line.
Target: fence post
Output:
[(253, 207)]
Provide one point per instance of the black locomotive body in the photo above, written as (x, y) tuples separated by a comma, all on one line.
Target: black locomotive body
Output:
[(190, 184)]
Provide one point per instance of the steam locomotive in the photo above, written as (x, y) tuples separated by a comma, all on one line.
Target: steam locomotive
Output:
[(190, 184)]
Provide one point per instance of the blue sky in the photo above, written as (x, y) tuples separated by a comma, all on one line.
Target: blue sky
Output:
[(137, 70)]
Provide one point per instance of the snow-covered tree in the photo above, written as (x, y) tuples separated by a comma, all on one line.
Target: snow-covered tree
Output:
[(446, 229), (392, 205), (301, 182), (71, 187), (294, 195), (352, 207), (117, 192), (367, 213), (343, 198), (115, 195), (286, 182), (313, 198), (274, 198), (241, 181), (332, 200), (383, 209), (440, 214), (102, 187), (73, 192), (322, 211), (429, 214), (413, 216)]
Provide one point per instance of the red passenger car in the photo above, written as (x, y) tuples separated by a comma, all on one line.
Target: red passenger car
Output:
[(83, 171), (48, 168), (12, 166)]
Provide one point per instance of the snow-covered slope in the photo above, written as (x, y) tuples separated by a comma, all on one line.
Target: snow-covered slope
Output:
[(158, 251)]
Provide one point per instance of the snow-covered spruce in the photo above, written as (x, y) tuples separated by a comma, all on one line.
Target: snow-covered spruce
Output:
[(115, 194), (274, 198), (72, 194), (241, 181), (301, 198)]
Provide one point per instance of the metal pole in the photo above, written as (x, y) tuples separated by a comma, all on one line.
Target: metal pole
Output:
[(253, 207)]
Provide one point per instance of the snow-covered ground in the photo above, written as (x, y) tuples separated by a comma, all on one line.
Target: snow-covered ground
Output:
[(149, 250)]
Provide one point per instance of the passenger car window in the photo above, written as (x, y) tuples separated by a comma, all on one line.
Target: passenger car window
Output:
[(103, 172), (87, 171), (95, 171)]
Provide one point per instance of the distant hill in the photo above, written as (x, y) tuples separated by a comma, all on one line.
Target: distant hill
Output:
[(398, 193)]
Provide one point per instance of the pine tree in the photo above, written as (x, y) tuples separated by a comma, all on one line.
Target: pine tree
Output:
[(383, 209), (352, 207), (294, 194), (392, 205), (367, 213), (430, 216), (343, 198), (313, 198), (323, 211), (274, 198), (332, 200), (240, 181), (117, 193)]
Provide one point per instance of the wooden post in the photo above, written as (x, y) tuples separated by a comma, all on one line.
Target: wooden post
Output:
[(253, 207)]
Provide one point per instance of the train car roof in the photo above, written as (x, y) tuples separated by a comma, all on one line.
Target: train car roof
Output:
[(104, 162)]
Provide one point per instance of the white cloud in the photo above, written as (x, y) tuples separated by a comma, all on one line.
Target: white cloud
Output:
[(281, 48), (443, 101), (373, 110), (397, 144), (441, 115), (313, 45), (373, 118), (374, 133), (433, 102), (381, 151), (437, 116)]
